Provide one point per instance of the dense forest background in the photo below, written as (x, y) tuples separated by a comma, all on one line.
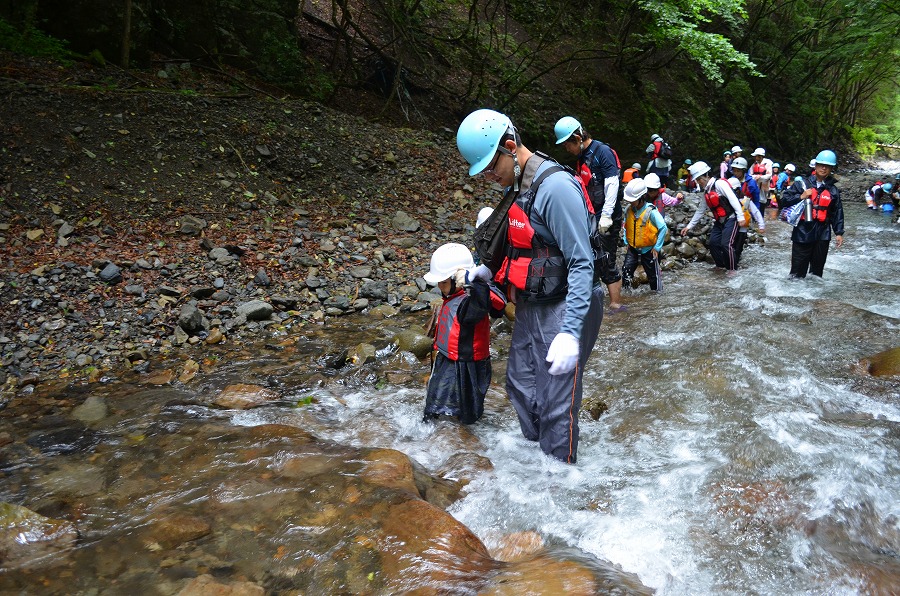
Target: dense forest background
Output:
[(790, 75)]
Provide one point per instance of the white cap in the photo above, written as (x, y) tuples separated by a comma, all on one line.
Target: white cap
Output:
[(734, 182), (812, 163), (759, 151), (736, 148), (790, 167), (636, 166), (483, 215)]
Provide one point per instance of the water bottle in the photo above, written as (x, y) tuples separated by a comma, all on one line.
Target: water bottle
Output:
[(807, 209)]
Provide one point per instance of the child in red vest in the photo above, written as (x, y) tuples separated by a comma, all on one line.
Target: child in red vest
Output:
[(462, 367)]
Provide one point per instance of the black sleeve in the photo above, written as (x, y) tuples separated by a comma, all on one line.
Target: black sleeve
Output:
[(476, 305)]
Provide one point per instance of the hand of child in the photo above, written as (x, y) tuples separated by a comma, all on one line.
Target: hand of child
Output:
[(481, 272)]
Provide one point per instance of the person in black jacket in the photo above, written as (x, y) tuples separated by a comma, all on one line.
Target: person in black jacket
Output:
[(823, 213)]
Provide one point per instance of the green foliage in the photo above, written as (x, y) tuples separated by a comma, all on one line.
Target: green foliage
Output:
[(31, 41), (864, 140)]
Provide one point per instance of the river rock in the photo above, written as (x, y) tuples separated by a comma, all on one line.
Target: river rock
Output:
[(416, 343), (92, 410), (244, 397), (255, 310), (404, 223), (361, 354), (390, 469), (174, 530), (26, 536), (883, 364), (190, 319), (190, 225), (111, 274), (206, 585)]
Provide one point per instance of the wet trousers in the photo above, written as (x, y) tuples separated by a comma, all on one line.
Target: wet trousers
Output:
[(739, 242), (808, 257), (609, 240), (721, 243), (650, 264), (547, 405)]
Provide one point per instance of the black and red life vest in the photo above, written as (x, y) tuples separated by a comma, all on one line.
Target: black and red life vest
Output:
[(537, 270), (466, 343), (718, 204), (820, 200), (758, 169)]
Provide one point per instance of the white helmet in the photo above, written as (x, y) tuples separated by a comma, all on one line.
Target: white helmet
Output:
[(652, 181), (759, 151), (790, 168), (447, 260), (655, 138), (734, 182), (736, 149), (635, 189), (698, 169), (812, 163), (483, 215), (636, 166), (739, 163)]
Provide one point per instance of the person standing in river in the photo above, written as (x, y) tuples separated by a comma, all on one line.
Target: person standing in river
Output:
[(823, 213), (727, 216), (548, 270), (461, 373), (599, 167)]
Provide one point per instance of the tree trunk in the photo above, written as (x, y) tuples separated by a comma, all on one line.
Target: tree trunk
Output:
[(126, 35)]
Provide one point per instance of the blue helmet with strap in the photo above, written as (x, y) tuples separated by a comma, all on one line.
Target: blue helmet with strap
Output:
[(479, 136)]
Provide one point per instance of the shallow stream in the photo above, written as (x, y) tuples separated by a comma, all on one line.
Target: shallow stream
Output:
[(744, 450)]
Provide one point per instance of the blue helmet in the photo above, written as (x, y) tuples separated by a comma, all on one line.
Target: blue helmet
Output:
[(479, 136), (564, 128), (827, 157), (887, 187)]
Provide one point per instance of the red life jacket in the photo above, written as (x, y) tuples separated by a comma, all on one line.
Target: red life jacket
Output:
[(537, 270), (820, 202), (759, 169), (469, 343), (719, 205)]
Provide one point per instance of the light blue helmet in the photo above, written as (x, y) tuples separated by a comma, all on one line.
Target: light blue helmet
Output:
[(479, 136), (776, 165), (827, 157), (887, 187), (564, 128)]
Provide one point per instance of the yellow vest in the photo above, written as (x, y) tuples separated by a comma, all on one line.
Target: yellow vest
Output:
[(640, 231), (745, 205)]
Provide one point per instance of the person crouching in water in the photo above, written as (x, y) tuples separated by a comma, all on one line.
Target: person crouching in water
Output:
[(726, 212), (823, 213), (462, 368), (645, 233)]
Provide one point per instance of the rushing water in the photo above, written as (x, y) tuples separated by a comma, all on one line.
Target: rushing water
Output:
[(743, 451)]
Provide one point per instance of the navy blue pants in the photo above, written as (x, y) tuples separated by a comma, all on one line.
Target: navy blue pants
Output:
[(651, 268), (721, 243)]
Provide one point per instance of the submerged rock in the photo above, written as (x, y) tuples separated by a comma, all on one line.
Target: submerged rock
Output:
[(883, 364), (26, 536)]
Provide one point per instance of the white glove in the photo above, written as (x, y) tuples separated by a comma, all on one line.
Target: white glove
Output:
[(480, 272), (460, 278), (563, 354), (604, 223)]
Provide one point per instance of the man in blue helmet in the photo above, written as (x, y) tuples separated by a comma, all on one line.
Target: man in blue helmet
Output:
[(823, 213), (548, 271), (599, 167)]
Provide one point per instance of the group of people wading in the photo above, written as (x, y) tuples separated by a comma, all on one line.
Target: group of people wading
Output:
[(550, 246)]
